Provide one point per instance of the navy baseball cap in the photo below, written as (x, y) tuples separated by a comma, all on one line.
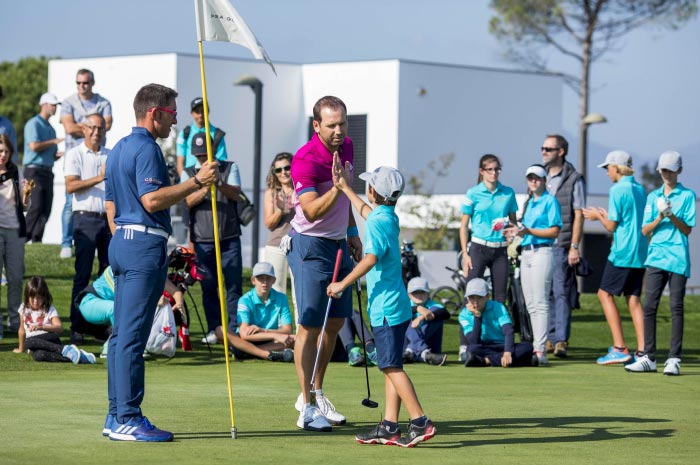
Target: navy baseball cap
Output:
[(199, 144), (198, 102)]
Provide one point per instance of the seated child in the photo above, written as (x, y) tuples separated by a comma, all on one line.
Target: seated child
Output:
[(424, 336), (264, 320), (41, 325), (489, 331), (351, 328)]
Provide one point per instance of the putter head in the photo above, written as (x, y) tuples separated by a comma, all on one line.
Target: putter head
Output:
[(369, 403)]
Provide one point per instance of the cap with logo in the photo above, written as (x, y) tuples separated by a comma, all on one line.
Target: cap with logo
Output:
[(418, 284), (198, 102), (263, 268), (49, 98), (617, 157), (477, 286), (387, 181), (670, 160), (199, 144)]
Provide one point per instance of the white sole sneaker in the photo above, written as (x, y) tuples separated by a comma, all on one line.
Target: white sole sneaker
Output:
[(672, 367), (326, 407), (313, 420), (643, 364)]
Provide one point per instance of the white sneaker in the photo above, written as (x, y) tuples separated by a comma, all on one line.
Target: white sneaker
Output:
[(672, 367), (66, 252), (210, 338), (642, 364), (328, 410), (311, 419), (299, 404)]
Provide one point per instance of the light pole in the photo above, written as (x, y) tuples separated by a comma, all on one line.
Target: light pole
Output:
[(591, 118), (255, 84)]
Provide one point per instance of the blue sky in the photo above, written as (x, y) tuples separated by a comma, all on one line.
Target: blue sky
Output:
[(647, 88)]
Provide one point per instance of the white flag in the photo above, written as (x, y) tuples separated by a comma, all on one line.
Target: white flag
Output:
[(218, 21)]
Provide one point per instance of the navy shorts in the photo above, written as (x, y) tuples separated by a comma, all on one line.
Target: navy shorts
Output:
[(622, 281), (389, 341), (312, 260)]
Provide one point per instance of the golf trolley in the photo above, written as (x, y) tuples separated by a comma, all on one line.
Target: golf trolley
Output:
[(409, 262)]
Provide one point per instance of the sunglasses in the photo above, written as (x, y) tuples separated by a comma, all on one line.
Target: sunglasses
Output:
[(83, 83), (550, 149), (166, 110), (285, 168)]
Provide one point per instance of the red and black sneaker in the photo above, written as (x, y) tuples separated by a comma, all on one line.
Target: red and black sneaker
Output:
[(417, 434), (380, 435)]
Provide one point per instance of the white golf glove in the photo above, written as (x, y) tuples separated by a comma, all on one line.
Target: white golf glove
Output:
[(664, 206)]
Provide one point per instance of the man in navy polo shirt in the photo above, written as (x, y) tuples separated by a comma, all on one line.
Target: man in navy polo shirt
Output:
[(138, 195)]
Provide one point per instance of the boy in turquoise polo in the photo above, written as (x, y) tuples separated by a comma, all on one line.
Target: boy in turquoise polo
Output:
[(624, 270), (669, 218), (389, 306)]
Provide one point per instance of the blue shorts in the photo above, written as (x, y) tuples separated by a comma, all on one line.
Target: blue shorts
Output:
[(389, 341), (312, 260), (618, 280)]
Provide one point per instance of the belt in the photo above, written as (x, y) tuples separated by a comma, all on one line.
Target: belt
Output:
[(535, 246), (144, 229), (493, 245), (91, 214), (40, 167)]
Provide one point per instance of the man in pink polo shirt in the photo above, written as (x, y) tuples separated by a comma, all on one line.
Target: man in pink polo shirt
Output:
[(323, 223)]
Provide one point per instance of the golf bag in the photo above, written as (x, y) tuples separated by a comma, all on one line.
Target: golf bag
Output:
[(409, 262), (516, 303)]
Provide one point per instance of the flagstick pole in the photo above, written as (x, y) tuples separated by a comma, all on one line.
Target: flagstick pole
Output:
[(217, 245)]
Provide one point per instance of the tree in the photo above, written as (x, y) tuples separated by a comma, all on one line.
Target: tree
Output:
[(23, 82), (582, 30), (649, 177)]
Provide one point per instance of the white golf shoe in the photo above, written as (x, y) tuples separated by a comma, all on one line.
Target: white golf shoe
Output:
[(325, 406), (311, 419), (672, 367), (642, 364)]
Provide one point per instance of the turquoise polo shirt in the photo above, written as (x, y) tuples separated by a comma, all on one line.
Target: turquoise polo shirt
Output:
[(484, 206), (267, 315), (493, 318), (431, 305), (387, 296), (38, 129), (668, 247), (541, 213), (104, 285), (626, 207)]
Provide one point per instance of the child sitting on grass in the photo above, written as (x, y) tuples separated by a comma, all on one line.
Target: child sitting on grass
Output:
[(389, 307), (424, 335), (40, 326)]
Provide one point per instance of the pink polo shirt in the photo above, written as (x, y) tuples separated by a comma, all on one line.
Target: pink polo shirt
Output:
[(311, 172)]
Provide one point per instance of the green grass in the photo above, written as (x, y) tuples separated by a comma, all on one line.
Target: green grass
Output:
[(572, 412)]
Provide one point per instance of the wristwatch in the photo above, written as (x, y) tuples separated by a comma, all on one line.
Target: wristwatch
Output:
[(574, 246), (198, 182)]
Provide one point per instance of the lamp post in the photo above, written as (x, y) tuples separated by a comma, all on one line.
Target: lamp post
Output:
[(256, 86), (591, 118)]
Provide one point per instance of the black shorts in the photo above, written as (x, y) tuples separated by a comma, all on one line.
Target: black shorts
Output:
[(622, 281)]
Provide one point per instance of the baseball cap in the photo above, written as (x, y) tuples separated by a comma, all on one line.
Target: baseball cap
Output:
[(49, 98), (387, 181), (477, 286), (418, 284), (617, 157), (199, 144), (198, 102), (670, 160), (263, 268), (537, 170)]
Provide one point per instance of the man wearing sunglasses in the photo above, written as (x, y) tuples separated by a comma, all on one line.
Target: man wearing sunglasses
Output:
[(185, 157), (568, 186)]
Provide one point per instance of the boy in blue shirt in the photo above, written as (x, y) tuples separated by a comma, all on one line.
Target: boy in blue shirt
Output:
[(669, 218), (389, 306), (624, 270), (489, 331), (424, 335)]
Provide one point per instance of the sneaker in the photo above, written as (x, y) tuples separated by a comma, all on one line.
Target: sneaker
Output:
[(110, 421), (86, 357), (372, 356), (417, 434), (139, 429), (328, 410), (105, 349), (561, 349), (534, 361), (672, 367), (299, 404), (548, 347), (434, 359), (66, 252), (409, 356), (379, 435), (462, 354), (210, 338), (3, 280), (542, 359), (641, 364), (71, 352), (355, 357), (286, 355), (471, 360), (614, 356), (76, 338), (311, 419)]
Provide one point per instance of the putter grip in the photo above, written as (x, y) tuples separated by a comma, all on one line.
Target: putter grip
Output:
[(338, 259)]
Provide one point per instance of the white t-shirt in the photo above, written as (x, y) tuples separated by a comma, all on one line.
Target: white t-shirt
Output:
[(30, 317), (84, 163)]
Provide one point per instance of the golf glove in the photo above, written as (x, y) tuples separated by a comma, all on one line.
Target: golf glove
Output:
[(664, 206)]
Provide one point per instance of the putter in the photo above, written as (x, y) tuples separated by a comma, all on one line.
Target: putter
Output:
[(312, 398), (365, 402)]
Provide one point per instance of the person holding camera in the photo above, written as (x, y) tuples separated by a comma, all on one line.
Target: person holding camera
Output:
[(202, 236)]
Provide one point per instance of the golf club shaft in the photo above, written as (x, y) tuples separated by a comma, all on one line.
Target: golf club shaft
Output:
[(358, 287)]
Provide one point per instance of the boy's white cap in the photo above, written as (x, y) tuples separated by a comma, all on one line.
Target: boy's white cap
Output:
[(537, 170), (387, 181), (477, 286), (263, 268), (49, 98), (670, 160), (418, 284), (617, 157)]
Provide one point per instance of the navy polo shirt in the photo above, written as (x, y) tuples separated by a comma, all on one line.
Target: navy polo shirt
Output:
[(136, 167)]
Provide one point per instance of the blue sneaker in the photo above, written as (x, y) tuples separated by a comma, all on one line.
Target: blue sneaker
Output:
[(86, 357), (110, 421), (355, 358), (71, 352), (614, 356), (139, 429), (372, 357)]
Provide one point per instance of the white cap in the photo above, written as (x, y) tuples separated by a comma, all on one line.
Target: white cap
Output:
[(477, 286), (263, 268), (49, 98), (670, 160), (617, 157), (418, 284), (537, 170), (388, 182)]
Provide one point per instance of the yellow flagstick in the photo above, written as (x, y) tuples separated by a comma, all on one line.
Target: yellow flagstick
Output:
[(217, 246)]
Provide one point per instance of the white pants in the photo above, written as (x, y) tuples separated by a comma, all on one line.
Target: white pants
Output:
[(278, 259), (536, 270)]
